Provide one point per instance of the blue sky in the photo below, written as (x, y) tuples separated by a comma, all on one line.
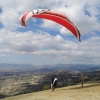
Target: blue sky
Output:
[(45, 42)]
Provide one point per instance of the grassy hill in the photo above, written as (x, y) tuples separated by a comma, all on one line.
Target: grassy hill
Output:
[(88, 92), (17, 84)]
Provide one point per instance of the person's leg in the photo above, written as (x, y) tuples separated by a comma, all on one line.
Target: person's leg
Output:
[(52, 88), (82, 83), (51, 85)]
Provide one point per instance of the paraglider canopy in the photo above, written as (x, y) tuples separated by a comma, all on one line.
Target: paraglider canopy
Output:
[(53, 15)]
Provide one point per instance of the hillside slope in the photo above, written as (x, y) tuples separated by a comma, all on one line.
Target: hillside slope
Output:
[(88, 92)]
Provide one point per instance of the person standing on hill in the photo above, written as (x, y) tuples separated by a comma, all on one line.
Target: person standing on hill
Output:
[(53, 82), (81, 79)]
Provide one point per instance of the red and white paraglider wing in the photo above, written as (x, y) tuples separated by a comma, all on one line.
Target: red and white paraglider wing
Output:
[(25, 18), (55, 16)]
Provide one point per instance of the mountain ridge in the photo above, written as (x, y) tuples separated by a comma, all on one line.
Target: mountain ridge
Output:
[(73, 67)]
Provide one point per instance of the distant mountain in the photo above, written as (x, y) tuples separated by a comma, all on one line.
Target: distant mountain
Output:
[(91, 69), (72, 67), (15, 65), (6, 67), (48, 68)]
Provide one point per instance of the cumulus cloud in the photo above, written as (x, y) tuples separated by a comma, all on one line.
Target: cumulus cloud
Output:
[(85, 14), (79, 16)]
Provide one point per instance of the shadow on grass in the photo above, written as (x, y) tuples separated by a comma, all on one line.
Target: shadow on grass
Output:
[(84, 86)]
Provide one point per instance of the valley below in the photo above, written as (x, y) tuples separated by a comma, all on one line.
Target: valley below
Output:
[(19, 81)]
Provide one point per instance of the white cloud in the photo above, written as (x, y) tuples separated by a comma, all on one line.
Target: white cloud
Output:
[(50, 25), (77, 14), (32, 43), (65, 31), (14, 42)]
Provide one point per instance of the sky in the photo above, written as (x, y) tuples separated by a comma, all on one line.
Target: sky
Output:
[(44, 42)]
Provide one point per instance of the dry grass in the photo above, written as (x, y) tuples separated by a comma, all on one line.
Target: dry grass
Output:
[(88, 92)]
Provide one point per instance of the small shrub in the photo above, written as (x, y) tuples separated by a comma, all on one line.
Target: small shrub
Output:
[(46, 87)]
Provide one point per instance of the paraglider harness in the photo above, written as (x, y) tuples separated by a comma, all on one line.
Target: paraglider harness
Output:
[(54, 81)]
